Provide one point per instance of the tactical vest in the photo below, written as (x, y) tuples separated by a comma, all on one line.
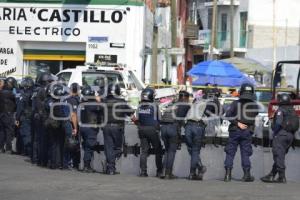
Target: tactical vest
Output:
[(113, 116), (168, 114)]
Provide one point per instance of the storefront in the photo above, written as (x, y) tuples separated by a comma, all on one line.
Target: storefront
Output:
[(54, 36)]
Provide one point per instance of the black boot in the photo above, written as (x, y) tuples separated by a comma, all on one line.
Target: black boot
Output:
[(143, 173), (269, 178), (163, 174), (87, 168), (159, 173), (281, 178), (170, 175), (247, 176), (201, 171), (227, 177), (193, 176)]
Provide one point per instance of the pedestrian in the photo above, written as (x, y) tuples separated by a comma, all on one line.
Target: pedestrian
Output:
[(285, 124), (113, 131), (148, 131), (241, 114)]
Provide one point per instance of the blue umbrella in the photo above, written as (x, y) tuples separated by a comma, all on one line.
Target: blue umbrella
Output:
[(223, 81), (218, 72)]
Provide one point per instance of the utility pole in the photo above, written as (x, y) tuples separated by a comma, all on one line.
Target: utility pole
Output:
[(154, 46), (213, 30), (231, 28), (274, 35), (174, 33)]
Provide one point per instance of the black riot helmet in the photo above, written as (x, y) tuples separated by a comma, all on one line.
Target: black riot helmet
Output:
[(284, 99), (10, 83), (147, 95), (209, 93), (27, 83), (57, 90), (183, 94), (100, 82), (45, 78), (62, 80), (87, 92), (247, 91), (75, 87), (114, 89)]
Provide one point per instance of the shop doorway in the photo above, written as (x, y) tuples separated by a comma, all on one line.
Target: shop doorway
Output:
[(72, 64)]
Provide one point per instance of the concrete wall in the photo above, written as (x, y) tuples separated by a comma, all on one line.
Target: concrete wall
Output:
[(262, 36)]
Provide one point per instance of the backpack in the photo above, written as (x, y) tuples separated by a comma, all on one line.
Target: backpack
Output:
[(290, 121)]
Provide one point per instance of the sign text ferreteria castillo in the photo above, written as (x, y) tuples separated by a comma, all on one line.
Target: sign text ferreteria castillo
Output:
[(57, 16)]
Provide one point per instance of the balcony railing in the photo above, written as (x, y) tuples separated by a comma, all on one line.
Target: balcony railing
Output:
[(222, 3), (222, 39)]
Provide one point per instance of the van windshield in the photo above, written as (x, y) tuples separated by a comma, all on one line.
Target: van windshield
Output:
[(88, 78)]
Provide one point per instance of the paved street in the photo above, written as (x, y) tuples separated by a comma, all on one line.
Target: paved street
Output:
[(19, 180)]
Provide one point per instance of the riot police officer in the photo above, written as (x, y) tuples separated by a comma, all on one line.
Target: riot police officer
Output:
[(241, 115), (40, 140), (283, 123), (7, 109), (56, 117), (90, 115), (72, 155), (148, 130), (24, 115), (113, 131), (194, 136), (171, 135)]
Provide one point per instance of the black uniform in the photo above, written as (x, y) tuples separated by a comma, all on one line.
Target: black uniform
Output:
[(148, 130), (285, 124), (242, 111), (24, 117), (282, 139), (40, 138), (91, 116), (7, 109), (170, 135), (72, 158), (113, 131), (55, 131)]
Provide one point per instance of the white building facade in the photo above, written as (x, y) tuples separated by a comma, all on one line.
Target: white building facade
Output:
[(38, 36)]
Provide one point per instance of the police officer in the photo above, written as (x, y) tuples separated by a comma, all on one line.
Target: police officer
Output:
[(282, 140), (148, 130), (90, 116), (72, 156), (241, 115), (113, 131), (194, 135), (40, 140), (7, 109), (171, 133), (24, 115), (56, 115)]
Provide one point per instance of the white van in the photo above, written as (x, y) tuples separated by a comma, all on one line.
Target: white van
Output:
[(131, 86)]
